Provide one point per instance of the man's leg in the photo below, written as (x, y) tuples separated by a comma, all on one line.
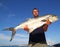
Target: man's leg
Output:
[(33, 44)]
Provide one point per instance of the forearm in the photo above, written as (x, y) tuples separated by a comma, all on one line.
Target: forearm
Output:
[(45, 27)]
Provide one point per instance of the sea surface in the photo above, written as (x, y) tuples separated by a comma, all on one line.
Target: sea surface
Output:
[(13, 46), (18, 46)]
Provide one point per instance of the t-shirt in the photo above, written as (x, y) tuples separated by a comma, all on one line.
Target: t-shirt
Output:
[(38, 35)]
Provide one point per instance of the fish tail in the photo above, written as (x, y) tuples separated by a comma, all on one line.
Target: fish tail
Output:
[(13, 32)]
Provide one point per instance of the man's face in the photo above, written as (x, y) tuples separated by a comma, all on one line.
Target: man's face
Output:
[(35, 12)]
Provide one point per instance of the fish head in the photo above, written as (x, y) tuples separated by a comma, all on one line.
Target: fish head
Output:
[(52, 18)]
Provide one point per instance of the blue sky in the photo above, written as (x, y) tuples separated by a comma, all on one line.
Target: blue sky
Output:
[(14, 12)]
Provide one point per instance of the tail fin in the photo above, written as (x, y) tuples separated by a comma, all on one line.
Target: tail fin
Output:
[(13, 32)]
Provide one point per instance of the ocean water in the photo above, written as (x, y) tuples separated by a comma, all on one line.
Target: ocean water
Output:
[(13, 46), (18, 46)]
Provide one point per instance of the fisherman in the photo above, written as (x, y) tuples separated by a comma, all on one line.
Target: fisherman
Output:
[(37, 37)]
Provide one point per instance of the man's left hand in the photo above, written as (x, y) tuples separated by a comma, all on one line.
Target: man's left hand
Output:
[(48, 22), (46, 25)]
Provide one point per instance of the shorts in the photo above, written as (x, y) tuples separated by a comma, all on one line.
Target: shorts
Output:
[(34, 44)]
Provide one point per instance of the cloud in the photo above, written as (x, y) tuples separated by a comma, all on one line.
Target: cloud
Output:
[(21, 38), (4, 37), (6, 9), (16, 41), (50, 42), (10, 14), (2, 5), (21, 35)]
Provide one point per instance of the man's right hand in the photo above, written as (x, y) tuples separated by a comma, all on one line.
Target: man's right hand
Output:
[(26, 28)]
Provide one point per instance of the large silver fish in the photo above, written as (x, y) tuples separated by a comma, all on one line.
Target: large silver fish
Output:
[(33, 23)]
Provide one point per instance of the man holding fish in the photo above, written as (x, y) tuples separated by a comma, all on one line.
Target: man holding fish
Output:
[(37, 37)]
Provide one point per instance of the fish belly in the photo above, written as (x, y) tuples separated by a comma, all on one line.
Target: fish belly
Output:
[(35, 25)]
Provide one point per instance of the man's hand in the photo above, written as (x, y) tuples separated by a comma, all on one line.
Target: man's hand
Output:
[(48, 22), (45, 27), (26, 28)]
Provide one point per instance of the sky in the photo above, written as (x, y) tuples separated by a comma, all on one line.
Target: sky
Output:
[(14, 12)]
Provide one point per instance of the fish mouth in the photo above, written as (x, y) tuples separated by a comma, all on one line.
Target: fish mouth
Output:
[(53, 18)]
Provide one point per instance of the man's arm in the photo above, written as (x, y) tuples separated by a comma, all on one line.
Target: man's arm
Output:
[(45, 27)]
